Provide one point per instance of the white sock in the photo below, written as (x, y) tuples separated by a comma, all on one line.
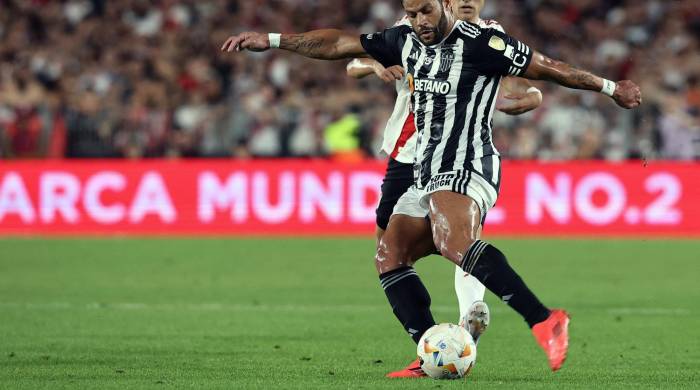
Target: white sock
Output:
[(469, 290)]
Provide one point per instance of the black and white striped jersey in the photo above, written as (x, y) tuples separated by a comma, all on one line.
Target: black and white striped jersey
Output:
[(454, 87)]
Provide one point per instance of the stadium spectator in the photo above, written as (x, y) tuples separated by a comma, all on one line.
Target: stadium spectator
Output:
[(135, 79)]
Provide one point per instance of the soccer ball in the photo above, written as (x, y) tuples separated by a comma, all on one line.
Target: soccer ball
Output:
[(446, 351)]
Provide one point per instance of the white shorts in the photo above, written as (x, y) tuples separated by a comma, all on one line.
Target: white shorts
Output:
[(414, 202)]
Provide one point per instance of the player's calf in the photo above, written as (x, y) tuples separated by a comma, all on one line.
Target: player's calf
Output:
[(489, 265), (405, 291)]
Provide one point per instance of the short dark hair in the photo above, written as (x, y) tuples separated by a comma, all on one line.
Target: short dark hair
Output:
[(401, 2)]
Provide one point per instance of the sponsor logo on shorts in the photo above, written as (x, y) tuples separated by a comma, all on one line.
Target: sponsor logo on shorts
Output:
[(440, 181)]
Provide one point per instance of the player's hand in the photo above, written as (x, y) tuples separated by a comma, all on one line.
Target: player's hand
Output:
[(247, 41), (390, 74), (627, 94), (519, 103)]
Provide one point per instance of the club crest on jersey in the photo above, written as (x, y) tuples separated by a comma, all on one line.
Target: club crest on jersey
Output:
[(446, 61)]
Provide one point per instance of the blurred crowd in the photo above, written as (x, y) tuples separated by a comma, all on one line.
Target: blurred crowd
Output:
[(140, 79)]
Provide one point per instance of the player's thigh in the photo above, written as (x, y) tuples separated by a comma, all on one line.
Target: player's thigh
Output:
[(456, 223), (406, 240)]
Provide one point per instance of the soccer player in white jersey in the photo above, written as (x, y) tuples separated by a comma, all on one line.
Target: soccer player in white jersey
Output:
[(454, 69), (400, 145)]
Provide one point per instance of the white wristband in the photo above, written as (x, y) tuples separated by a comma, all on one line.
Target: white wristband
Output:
[(275, 40), (609, 87)]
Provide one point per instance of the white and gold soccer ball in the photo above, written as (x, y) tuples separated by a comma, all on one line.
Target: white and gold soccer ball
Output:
[(447, 351)]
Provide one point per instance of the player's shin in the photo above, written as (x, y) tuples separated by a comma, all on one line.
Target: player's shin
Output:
[(489, 265), (409, 299)]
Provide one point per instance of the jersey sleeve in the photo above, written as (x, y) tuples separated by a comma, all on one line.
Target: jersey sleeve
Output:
[(501, 54), (385, 46)]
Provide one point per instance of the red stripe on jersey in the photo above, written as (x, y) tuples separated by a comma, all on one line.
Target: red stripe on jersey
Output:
[(409, 128)]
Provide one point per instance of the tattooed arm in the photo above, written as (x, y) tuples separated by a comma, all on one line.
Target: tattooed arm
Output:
[(625, 93), (324, 44), (319, 44)]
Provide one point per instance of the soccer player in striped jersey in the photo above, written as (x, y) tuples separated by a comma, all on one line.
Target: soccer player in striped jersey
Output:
[(399, 144), (454, 68)]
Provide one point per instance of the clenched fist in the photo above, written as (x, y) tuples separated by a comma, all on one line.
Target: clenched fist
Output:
[(627, 94), (390, 74)]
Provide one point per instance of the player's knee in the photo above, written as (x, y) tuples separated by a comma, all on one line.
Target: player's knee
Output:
[(383, 259), (458, 249), (453, 245), (390, 256), (452, 240)]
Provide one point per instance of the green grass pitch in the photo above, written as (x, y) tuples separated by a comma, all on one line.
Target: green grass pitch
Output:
[(306, 314)]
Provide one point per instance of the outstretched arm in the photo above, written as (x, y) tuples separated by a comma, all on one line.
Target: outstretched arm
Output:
[(519, 96), (363, 67), (625, 93), (319, 44)]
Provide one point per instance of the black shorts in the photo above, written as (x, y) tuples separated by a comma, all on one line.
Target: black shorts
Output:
[(398, 179)]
